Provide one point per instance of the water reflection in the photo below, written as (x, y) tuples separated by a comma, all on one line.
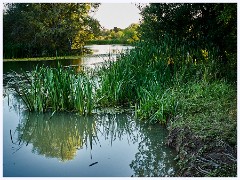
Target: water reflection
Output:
[(154, 158), (115, 127), (60, 135), (100, 54), (116, 142), (108, 49), (78, 64)]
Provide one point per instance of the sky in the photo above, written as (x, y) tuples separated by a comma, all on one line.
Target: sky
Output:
[(119, 15)]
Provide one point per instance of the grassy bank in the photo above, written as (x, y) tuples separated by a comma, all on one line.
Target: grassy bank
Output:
[(186, 89), (204, 129)]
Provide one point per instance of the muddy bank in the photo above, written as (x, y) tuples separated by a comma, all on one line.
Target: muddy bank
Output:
[(199, 158)]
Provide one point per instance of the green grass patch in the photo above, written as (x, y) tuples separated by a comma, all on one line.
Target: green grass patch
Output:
[(208, 109)]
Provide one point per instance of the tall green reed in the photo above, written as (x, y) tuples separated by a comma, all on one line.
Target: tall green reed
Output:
[(59, 89), (143, 77), (146, 75)]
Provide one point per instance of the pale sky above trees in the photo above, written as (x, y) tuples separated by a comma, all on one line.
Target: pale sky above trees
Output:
[(119, 15)]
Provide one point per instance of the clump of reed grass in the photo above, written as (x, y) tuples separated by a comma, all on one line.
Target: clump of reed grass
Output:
[(58, 89), (157, 105), (147, 75)]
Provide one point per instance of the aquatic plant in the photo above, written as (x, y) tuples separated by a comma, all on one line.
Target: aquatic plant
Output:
[(148, 77), (58, 89), (145, 76)]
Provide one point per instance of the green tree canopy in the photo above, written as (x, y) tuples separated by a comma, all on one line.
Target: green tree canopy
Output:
[(40, 29), (198, 25), (117, 36)]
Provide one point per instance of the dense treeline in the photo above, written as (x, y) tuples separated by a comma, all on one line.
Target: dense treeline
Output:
[(47, 29), (117, 35), (198, 26)]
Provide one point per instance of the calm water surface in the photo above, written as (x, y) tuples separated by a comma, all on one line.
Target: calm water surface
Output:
[(101, 53), (69, 145)]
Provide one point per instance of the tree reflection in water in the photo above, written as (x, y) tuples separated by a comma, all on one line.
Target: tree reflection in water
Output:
[(61, 135), (56, 136), (154, 158), (114, 127)]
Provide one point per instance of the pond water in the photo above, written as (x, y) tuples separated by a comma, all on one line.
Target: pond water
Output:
[(101, 53), (69, 145)]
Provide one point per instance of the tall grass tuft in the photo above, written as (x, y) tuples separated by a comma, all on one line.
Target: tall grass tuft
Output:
[(58, 89)]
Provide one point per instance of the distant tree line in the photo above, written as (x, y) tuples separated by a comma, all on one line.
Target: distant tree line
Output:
[(47, 29), (117, 35)]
